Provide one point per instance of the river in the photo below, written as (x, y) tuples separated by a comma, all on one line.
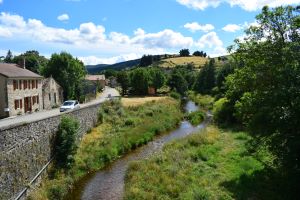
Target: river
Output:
[(108, 183)]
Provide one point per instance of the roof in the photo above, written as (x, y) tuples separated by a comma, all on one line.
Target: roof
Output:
[(14, 71), (46, 82), (95, 77)]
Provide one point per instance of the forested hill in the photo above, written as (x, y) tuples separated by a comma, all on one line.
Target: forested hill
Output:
[(93, 69)]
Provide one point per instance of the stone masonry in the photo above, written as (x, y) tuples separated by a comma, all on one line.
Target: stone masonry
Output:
[(26, 148)]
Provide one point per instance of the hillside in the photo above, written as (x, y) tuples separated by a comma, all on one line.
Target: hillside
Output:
[(93, 69), (172, 62)]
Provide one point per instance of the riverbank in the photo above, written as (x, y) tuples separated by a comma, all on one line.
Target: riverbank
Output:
[(123, 129), (210, 164)]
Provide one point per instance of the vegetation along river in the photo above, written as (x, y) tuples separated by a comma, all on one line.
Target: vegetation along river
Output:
[(108, 183)]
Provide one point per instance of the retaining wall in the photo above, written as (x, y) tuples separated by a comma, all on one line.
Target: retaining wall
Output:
[(26, 148)]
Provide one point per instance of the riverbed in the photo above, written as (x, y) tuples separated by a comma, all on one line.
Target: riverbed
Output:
[(108, 183)]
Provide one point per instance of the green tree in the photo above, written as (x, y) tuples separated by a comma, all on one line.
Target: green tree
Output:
[(139, 80), (33, 61), (9, 57), (177, 81), (124, 80), (146, 60), (157, 78), (206, 78), (68, 72), (65, 145), (264, 92), (184, 52)]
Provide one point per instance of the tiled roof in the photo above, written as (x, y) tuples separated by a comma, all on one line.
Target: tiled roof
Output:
[(95, 77), (13, 71)]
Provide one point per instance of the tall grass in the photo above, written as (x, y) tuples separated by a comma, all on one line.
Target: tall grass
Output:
[(122, 129), (200, 166), (204, 101)]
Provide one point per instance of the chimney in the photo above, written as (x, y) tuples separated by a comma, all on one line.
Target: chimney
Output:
[(22, 63)]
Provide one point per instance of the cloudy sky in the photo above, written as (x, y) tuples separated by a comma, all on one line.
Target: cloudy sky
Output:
[(111, 31)]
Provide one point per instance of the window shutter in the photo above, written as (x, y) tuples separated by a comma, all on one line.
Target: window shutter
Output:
[(14, 84), (16, 107), (21, 103)]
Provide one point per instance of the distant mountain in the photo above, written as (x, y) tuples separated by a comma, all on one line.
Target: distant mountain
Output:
[(93, 69)]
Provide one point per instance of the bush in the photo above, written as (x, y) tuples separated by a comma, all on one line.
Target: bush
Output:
[(222, 111), (65, 146), (175, 95), (196, 117)]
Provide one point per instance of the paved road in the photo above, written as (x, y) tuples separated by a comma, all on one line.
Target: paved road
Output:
[(49, 113)]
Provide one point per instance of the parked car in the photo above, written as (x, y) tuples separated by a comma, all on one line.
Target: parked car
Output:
[(69, 105)]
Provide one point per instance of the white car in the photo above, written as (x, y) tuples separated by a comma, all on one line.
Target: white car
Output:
[(69, 105)]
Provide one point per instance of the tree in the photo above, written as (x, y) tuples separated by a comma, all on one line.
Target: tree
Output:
[(110, 73), (184, 52), (65, 144), (9, 57), (33, 61), (264, 91), (206, 78), (68, 72), (157, 78), (140, 81), (178, 82), (124, 81), (146, 60), (199, 53)]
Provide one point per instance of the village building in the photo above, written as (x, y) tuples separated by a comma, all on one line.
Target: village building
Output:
[(97, 79), (52, 94), (20, 90)]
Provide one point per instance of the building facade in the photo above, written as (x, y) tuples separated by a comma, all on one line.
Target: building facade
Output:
[(20, 91), (98, 79), (52, 94)]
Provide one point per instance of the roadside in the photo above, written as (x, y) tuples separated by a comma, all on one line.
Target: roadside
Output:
[(54, 112)]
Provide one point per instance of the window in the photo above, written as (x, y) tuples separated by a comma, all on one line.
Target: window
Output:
[(37, 99), (18, 104), (15, 84), (55, 98), (33, 100), (28, 84), (49, 96), (33, 84), (20, 84), (36, 84), (25, 84)]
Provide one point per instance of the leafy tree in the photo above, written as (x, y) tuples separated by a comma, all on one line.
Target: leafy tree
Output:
[(199, 53), (9, 57), (264, 92), (222, 73), (177, 81), (146, 60), (33, 61), (110, 73), (68, 72), (184, 52), (65, 145), (206, 78), (124, 80), (157, 78), (204, 55), (140, 81)]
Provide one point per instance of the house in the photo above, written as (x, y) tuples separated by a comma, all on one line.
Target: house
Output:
[(52, 94), (98, 79), (20, 90)]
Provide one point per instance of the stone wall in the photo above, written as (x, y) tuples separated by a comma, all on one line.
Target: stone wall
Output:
[(26, 148), (3, 96)]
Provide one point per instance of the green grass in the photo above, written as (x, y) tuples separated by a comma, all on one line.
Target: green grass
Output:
[(212, 164), (123, 129), (196, 117), (204, 101)]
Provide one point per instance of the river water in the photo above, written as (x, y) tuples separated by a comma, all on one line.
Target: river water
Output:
[(108, 183)]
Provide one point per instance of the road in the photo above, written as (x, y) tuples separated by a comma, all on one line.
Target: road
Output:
[(54, 112)]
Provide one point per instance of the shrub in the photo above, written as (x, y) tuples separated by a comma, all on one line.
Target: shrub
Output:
[(196, 117), (222, 111), (65, 146), (175, 95)]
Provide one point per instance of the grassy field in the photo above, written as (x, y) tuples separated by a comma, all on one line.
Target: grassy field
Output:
[(136, 101), (123, 129), (212, 164), (172, 62)]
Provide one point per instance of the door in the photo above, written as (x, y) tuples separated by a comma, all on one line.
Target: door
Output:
[(27, 104)]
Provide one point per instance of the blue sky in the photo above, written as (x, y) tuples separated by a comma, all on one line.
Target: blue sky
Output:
[(116, 30)]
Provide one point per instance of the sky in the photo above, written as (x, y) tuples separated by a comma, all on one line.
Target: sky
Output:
[(111, 31)]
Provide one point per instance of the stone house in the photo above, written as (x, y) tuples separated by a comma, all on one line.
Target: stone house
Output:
[(98, 79), (20, 90), (52, 94)]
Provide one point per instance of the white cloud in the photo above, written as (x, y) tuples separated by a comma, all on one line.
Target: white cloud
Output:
[(163, 39), (218, 51), (63, 17), (231, 28), (5, 32), (94, 60), (249, 5), (194, 26), (209, 40)]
